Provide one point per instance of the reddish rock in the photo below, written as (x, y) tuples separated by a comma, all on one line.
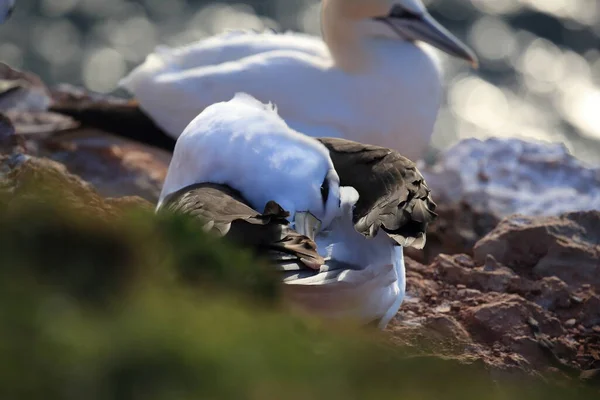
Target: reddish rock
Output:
[(507, 316), (32, 177), (115, 166), (447, 327), (590, 314), (456, 231), (8, 138), (567, 246), (38, 125)]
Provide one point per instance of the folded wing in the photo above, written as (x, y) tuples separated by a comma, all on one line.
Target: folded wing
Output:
[(224, 212), (394, 196)]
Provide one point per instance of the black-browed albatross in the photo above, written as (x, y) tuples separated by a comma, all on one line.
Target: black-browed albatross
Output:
[(223, 171)]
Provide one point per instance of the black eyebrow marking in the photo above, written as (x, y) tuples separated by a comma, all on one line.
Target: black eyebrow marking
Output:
[(325, 190)]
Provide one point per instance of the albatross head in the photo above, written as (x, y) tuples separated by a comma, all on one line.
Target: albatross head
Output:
[(6, 9), (347, 21), (246, 145)]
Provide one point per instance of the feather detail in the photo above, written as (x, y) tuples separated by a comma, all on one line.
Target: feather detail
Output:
[(393, 195)]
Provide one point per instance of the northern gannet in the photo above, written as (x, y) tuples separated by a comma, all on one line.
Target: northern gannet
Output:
[(6, 9), (239, 157), (369, 79)]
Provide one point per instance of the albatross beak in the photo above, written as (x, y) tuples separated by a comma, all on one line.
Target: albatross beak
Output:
[(428, 30), (307, 224)]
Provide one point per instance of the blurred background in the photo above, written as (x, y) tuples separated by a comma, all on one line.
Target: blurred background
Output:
[(540, 59)]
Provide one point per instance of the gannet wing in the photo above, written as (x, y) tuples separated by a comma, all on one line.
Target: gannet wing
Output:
[(238, 44), (303, 87)]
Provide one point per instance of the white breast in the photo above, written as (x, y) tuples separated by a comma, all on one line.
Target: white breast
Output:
[(370, 284)]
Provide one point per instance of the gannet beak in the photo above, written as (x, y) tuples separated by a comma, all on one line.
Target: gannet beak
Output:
[(306, 224), (426, 29)]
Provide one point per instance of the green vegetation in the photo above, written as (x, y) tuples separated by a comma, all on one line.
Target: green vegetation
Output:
[(96, 304)]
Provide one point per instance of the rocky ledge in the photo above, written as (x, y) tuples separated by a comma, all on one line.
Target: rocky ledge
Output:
[(518, 293)]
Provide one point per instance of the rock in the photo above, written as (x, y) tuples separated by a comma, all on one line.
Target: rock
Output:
[(567, 246), (590, 313), (40, 125), (8, 137), (552, 293), (505, 319), (478, 183), (512, 176), (457, 229), (22, 91), (448, 328), (37, 179), (114, 165), (25, 99), (509, 319), (453, 272)]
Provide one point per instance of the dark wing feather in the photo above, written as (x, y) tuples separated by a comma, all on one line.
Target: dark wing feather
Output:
[(393, 193), (225, 212), (110, 114)]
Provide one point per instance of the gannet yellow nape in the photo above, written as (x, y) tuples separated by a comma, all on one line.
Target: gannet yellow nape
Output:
[(342, 254), (368, 79), (6, 9)]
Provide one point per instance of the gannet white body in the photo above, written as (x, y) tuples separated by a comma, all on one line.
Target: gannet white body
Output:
[(6, 9), (369, 79)]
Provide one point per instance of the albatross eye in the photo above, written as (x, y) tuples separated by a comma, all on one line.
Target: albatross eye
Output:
[(325, 190)]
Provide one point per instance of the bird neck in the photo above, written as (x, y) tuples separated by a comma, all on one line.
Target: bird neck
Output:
[(342, 36)]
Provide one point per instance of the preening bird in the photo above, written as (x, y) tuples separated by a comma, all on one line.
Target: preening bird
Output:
[(246, 146), (341, 256)]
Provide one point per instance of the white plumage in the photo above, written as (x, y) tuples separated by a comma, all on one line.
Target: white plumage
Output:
[(246, 145), (367, 81), (374, 286)]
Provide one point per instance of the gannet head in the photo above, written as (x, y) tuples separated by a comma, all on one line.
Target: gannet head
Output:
[(246, 145), (396, 19), (6, 9)]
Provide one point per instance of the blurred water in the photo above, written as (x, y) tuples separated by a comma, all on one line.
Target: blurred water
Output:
[(540, 59)]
